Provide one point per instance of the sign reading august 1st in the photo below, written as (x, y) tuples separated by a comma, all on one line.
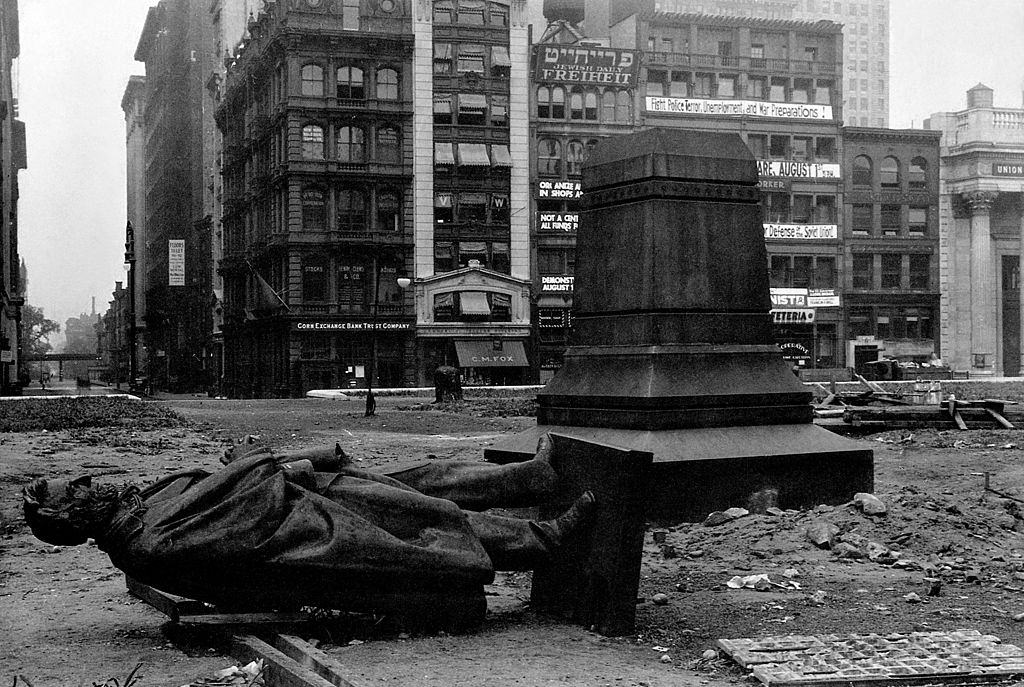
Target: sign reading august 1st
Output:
[(569, 64)]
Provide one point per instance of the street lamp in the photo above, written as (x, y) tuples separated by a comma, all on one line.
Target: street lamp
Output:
[(403, 283)]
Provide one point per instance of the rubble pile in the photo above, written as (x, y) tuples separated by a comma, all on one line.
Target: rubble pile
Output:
[(33, 414)]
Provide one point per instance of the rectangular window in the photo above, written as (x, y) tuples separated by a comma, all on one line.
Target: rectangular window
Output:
[(883, 324), (863, 271), (472, 109), (802, 148), (679, 86), (825, 149), (703, 85), (352, 286), (656, 82), (471, 58), (667, 45), (756, 87), (891, 268), (824, 210), (803, 269), (758, 144), (314, 283), (757, 55), (499, 110), (442, 58), (824, 273), (920, 271), (917, 221), (776, 207), (501, 260), (442, 108), (890, 220), (802, 209), (860, 322), (779, 149), (779, 271), (823, 92), (778, 90), (444, 212), (801, 90), (444, 256), (473, 208), (727, 86)]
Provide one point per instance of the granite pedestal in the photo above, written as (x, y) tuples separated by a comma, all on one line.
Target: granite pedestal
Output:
[(672, 350)]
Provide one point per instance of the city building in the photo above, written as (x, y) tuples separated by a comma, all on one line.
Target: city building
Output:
[(133, 104), (12, 159), (80, 336), (176, 46), (111, 336), (981, 219), (366, 146), (891, 245)]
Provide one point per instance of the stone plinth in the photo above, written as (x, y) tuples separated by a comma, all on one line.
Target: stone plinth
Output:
[(673, 336)]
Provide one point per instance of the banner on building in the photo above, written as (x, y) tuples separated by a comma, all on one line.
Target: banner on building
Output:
[(556, 284), (789, 298), (557, 221), (586, 65), (559, 189), (822, 298), (798, 170), (176, 262), (801, 232), (793, 316), (742, 108), (1008, 169)]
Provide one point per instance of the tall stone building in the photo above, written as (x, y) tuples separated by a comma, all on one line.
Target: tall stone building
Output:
[(133, 104), (12, 159), (981, 222)]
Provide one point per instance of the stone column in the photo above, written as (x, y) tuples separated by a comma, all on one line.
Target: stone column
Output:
[(984, 286)]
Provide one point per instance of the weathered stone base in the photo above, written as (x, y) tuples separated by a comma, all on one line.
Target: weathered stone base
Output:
[(696, 471)]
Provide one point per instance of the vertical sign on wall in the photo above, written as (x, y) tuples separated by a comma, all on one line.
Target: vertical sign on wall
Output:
[(176, 262)]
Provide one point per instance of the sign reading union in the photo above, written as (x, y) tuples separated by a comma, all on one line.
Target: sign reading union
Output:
[(351, 326), (570, 64), (801, 232), (1004, 169), (748, 108)]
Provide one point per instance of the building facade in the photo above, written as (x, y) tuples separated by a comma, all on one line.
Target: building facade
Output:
[(133, 104), (891, 245), (981, 216), (12, 159)]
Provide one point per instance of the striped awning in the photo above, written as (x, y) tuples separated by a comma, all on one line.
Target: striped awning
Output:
[(444, 154), (500, 156), (474, 155)]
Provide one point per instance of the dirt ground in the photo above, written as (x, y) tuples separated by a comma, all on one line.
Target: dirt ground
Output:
[(66, 619)]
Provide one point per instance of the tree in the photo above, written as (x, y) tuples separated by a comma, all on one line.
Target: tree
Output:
[(36, 329)]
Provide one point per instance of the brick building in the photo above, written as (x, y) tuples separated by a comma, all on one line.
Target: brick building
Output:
[(12, 159)]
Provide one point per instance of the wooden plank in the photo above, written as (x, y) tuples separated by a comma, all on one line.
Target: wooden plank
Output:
[(955, 414), (170, 605), (311, 658), (999, 418), (258, 618), (278, 669)]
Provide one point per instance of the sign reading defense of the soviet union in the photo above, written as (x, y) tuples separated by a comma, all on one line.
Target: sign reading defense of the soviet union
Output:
[(586, 65)]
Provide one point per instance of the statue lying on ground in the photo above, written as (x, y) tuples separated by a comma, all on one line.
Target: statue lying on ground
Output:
[(299, 528)]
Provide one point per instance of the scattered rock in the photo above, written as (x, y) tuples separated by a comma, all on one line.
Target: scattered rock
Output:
[(659, 599), (720, 517), (665, 658), (869, 504), (822, 534), (847, 550), (912, 598), (1018, 617), (818, 597), (669, 551), (709, 655)]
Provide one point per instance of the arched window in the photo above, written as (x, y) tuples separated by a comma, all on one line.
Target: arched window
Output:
[(313, 142), (608, 106), (549, 157), (312, 80), (576, 104), (389, 215), (557, 102), (350, 83), (389, 144), (862, 170), (351, 144), (544, 102), (574, 156), (590, 106), (387, 84), (890, 173), (551, 102), (591, 144), (918, 175), (351, 210), (622, 106), (314, 210)]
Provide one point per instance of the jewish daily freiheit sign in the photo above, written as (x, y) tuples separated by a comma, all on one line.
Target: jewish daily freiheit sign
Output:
[(583, 65)]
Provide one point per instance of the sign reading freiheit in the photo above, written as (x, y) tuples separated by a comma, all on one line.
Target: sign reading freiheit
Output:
[(801, 232), (570, 64), (747, 108), (176, 262)]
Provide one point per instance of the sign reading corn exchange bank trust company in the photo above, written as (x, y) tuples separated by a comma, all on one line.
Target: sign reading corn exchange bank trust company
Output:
[(321, 326), (746, 108)]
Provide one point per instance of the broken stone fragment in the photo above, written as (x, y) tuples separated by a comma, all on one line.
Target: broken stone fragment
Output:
[(822, 534), (912, 598), (870, 504), (847, 550), (877, 552), (719, 517)]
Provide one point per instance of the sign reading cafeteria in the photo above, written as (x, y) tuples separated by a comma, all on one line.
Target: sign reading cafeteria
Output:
[(796, 316), (559, 189), (748, 108), (558, 221), (316, 326), (801, 232), (593, 65), (798, 170)]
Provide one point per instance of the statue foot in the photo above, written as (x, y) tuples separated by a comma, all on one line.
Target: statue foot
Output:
[(580, 513), (543, 476)]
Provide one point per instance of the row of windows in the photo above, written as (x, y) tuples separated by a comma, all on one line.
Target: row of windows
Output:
[(467, 207), (779, 89), (350, 83), (786, 147), (891, 271), (472, 306), (471, 109), (763, 48), (584, 104), (802, 271), (890, 220), (352, 143), (471, 13), (798, 208), (472, 58), (890, 172), (453, 255), (353, 284), (889, 323), (354, 210), (553, 157)]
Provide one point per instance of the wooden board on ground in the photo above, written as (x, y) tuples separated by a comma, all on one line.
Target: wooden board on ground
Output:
[(189, 612), (279, 670)]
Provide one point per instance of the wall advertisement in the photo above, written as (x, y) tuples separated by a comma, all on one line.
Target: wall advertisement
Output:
[(793, 316), (320, 326), (822, 298), (1008, 169), (586, 65), (804, 298), (742, 108), (559, 189), (797, 170), (558, 284), (801, 232), (558, 221), (176, 262)]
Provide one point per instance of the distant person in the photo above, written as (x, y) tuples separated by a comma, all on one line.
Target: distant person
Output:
[(44, 377)]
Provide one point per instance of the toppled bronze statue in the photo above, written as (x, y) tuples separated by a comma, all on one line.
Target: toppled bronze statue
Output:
[(303, 527)]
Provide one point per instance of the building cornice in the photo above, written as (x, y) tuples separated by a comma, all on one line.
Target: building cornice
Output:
[(870, 134)]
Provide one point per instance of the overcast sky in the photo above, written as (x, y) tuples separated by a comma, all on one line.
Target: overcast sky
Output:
[(76, 56)]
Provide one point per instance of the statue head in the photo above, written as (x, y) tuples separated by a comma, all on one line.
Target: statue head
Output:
[(60, 511)]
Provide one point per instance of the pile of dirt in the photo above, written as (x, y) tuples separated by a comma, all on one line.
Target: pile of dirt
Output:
[(33, 414)]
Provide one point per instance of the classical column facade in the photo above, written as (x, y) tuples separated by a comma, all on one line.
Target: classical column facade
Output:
[(984, 285)]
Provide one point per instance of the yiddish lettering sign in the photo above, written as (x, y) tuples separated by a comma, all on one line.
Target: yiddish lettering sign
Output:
[(586, 65)]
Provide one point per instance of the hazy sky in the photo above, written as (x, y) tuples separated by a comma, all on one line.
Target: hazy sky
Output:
[(76, 56)]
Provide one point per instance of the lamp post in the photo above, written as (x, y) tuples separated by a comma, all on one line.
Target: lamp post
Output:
[(129, 262), (403, 283)]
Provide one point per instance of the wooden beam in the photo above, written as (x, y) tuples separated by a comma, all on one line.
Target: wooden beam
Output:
[(998, 417), (311, 658), (174, 607), (278, 669)]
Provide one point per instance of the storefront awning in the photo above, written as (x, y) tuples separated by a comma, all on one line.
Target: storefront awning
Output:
[(500, 156), (444, 154), (499, 56), (486, 354), (472, 102), (474, 155), (474, 303)]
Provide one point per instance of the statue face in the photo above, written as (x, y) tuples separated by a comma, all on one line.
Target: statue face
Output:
[(56, 510)]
